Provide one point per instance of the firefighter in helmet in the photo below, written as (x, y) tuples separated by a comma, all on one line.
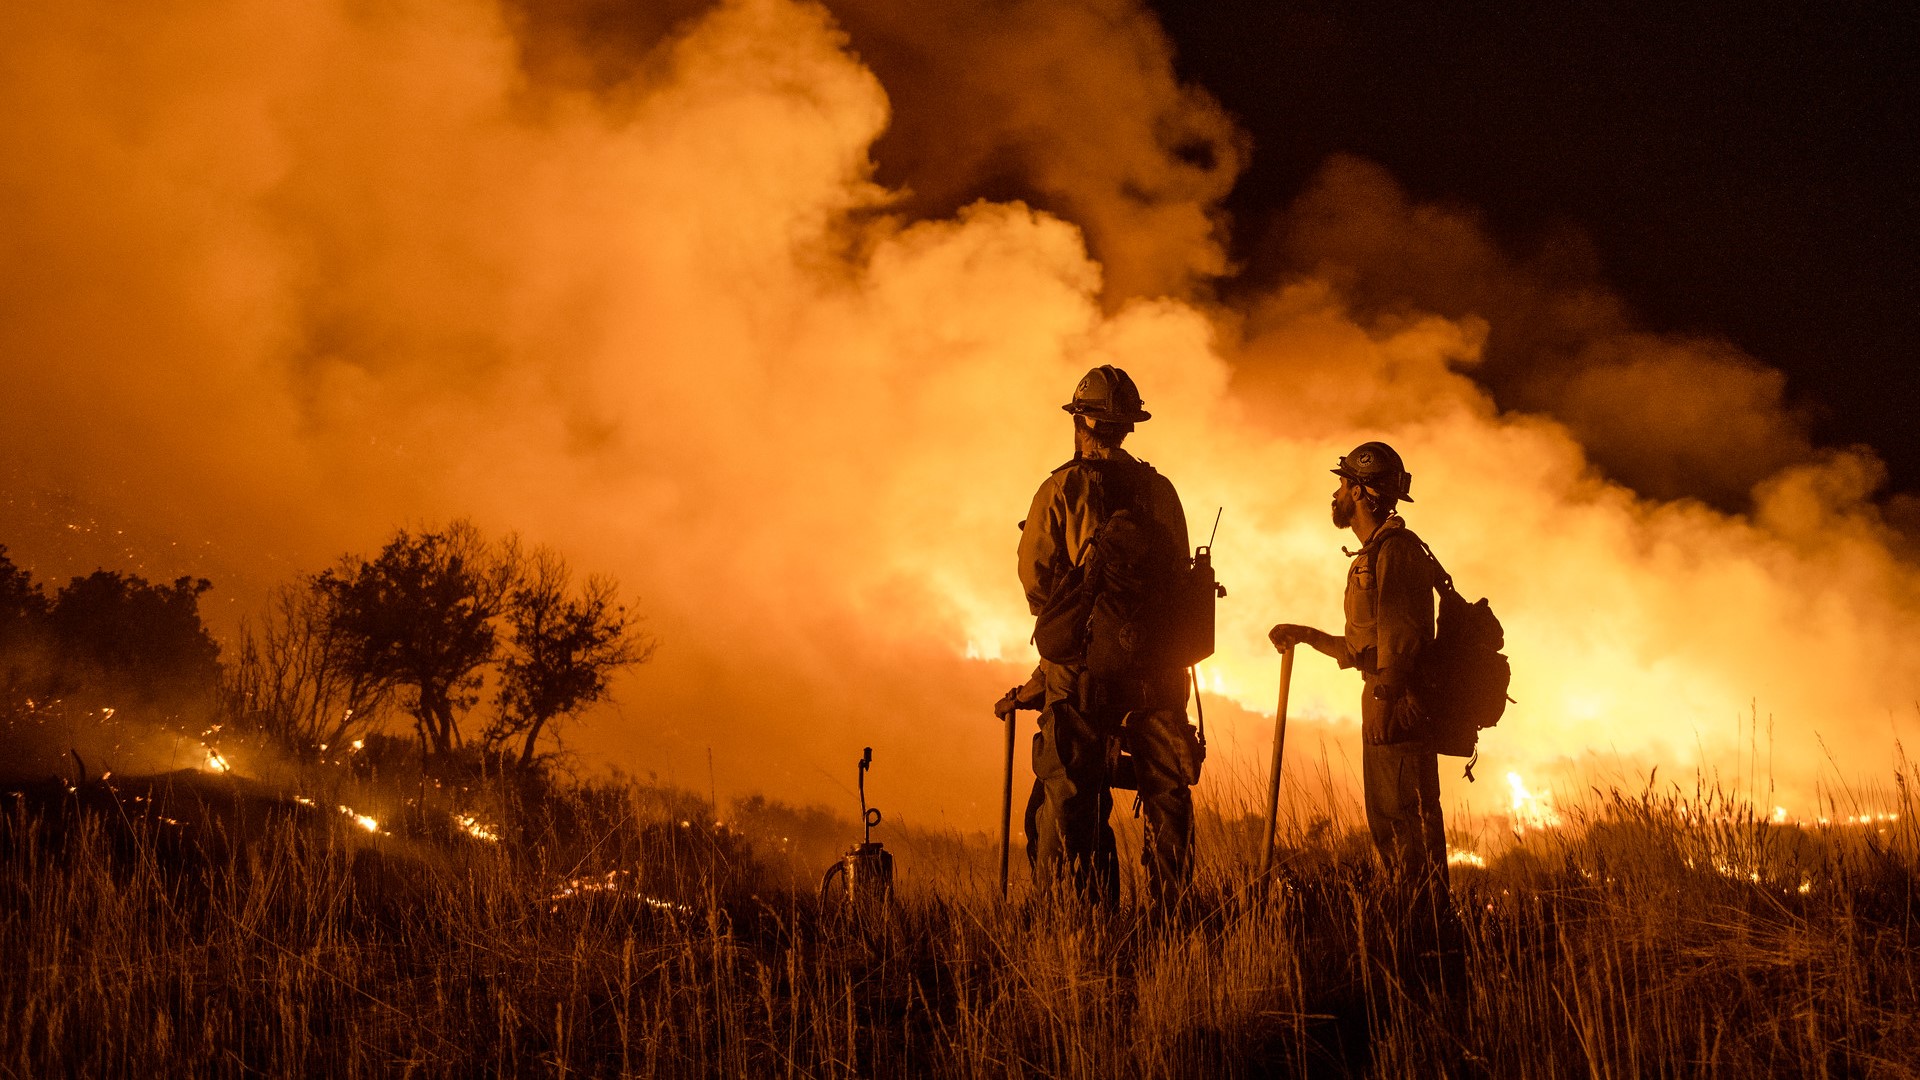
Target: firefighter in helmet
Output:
[(1389, 621), (1087, 721)]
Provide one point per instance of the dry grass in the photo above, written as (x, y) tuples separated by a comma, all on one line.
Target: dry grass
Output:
[(1646, 936)]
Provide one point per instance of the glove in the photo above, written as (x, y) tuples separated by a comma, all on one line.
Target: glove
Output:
[(1026, 696), (1009, 702), (1286, 634), (1409, 718), (1403, 719)]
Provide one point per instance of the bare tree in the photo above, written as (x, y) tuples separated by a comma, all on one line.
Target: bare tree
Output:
[(294, 678), (421, 618), (565, 648)]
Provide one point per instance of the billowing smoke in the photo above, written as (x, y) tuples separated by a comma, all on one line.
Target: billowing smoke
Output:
[(1072, 108), (280, 279), (1671, 416)]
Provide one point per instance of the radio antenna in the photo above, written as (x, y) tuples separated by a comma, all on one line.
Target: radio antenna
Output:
[(1216, 527)]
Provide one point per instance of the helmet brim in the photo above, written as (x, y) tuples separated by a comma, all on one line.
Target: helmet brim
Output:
[(1345, 475), (1102, 414)]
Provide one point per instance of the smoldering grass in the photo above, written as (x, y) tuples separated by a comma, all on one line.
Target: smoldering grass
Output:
[(1652, 932)]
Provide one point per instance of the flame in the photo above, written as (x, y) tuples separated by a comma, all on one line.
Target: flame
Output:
[(366, 822), (473, 827), (215, 762), (617, 883), (1877, 819), (1462, 857), (1530, 811)]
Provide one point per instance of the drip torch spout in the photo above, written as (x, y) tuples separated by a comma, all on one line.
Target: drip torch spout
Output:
[(870, 817)]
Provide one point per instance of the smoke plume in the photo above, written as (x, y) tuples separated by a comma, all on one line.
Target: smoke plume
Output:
[(734, 302)]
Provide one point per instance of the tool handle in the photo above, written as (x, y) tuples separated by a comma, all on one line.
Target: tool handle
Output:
[(1006, 810), (1279, 746)]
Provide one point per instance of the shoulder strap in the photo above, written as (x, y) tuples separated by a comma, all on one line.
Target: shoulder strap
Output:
[(1443, 581), (1100, 477)]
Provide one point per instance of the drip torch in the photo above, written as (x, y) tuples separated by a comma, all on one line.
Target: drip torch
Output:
[(865, 872)]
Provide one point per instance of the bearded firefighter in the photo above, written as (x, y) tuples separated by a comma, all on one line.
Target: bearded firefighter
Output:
[(1389, 622), (1105, 532)]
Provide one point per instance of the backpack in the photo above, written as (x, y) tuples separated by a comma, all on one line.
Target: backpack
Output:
[(1461, 679), (1133, 603)]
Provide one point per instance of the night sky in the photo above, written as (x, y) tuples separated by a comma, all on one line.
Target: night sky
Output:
[(1741, 169)]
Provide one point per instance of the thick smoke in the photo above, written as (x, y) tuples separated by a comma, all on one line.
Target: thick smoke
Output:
[(1070, 107), (1669, 415), (282, 279)]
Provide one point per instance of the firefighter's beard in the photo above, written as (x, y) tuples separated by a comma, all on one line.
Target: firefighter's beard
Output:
[(1342, 510)]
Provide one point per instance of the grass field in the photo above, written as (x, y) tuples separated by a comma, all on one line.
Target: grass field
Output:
[(205, 926)]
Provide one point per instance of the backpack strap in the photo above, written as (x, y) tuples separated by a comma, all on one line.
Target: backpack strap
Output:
[(1443, 581), (1121, 483)]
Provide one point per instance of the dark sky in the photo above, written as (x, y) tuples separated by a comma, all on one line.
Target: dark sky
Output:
[(1743, 169)]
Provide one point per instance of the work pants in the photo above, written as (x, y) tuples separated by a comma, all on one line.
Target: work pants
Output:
[(1402, 782), (1402, 794), (1069, 831), (1160, 742)]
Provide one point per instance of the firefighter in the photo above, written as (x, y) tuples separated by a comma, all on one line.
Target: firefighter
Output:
[(1389, 609), (1085, 721)]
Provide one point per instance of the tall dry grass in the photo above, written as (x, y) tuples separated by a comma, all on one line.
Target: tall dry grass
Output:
[(620, 933)]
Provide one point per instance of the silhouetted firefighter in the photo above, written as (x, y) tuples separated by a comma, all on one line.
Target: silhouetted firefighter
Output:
[(1389, 631), (1120, 612)]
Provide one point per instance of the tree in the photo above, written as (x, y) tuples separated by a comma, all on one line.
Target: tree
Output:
[(565, 648), (126, 636), (295, 680), (421, 618), (23, 637), (23, 606)]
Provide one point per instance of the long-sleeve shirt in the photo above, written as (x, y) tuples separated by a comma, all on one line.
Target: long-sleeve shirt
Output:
[(1389, 606)]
